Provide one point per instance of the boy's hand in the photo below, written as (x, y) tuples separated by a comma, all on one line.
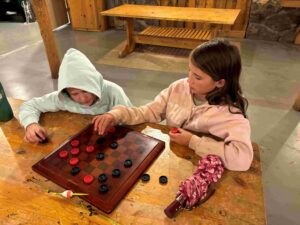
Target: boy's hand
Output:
[(35, 133), (181, 137), (103, 122)]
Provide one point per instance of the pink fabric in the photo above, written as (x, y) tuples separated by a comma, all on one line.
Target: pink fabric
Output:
[(175, 104), (194, 189)]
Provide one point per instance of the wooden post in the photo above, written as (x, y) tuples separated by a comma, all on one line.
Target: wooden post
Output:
[(42, 17)]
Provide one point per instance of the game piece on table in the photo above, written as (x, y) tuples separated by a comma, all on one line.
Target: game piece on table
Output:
[(145, 177), (114, 145), (139, 148), (75, 170), (100, 156), (73, 161), (175, 130), (128, 163), (74, 143), (163, 179), (103, 188), (102, 177), (90, 148), (42, 141), (116, 173), (67, 193), (100, 140), (75, 151), (63, 154), (88, 179), (199, 187), (112, 130)]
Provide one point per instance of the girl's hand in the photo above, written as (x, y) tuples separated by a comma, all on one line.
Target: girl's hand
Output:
[(34, 133), (181, 137), (103, 122)]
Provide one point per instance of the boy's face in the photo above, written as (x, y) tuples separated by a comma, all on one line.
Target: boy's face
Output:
[(201, 83), (81, 97)]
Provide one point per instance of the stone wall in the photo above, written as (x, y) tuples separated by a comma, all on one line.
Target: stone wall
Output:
[(272, 22)]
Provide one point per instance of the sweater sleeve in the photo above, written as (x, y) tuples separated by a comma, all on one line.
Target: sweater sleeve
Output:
[(30, 110), (235, 150), (153, 112)]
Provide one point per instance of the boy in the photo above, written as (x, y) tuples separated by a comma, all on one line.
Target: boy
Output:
[(81, 89)]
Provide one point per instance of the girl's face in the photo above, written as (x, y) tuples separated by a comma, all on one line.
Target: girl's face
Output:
[(81, 97), (201, 83)]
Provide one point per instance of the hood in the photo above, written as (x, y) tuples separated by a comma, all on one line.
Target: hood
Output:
[(76, 71)]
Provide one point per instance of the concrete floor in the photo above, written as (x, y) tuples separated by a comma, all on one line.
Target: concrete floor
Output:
[(271, 81)]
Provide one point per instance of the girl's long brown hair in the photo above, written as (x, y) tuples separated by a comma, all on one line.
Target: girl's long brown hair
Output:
[(221, 60)]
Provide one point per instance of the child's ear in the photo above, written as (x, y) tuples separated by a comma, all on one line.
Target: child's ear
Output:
[(220, 83)]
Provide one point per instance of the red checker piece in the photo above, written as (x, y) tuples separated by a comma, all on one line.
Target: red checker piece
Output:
[(112, 130), (63, 154), (74, 151), (73, 161), (88, 179), (175, 130), (75, 143), (90, 148)]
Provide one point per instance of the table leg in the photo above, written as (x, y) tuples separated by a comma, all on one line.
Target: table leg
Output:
[(130, 44)]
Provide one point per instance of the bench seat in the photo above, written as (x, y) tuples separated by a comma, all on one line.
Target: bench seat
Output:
[(174, 36)]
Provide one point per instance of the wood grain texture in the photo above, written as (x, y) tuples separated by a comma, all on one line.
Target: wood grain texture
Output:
[(185, 14), (238, 199), (43, 19)]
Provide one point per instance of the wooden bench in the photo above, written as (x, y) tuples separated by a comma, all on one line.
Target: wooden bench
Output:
[(171, 36)]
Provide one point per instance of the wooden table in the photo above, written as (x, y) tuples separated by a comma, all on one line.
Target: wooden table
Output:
[(23, 198), (173, 37)]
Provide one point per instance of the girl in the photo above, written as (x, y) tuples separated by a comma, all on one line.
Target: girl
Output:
[(208, 101)]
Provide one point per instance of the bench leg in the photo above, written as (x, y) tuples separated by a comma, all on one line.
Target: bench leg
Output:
[(130, 44)]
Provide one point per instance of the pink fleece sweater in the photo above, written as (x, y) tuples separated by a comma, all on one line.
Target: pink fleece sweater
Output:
[(175, 104)]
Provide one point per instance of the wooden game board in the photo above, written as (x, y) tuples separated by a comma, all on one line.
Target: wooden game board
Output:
[(140, 148)]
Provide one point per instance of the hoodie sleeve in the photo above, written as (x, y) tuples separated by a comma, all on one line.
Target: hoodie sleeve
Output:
[(121, 98), (235, 150), (30, 110), (152, 112)]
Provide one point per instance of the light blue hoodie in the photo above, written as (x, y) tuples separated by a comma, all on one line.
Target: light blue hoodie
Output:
[(76, 71)]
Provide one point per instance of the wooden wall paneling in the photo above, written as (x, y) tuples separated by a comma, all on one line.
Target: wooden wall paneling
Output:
[(229, 5), (240, 4), (85, 14), (181, 3), (201, 4), (163, 23), (57, 13), (219, 4), (191, 3), (209, 4), (102, 20)]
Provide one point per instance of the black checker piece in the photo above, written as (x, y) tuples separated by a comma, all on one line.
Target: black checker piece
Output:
[(100, 156), (103, 188), (114, 145), (75, 170), (102, 177), (116, 173), (145, 177), (100, 140), (163, 179), (128, 163)]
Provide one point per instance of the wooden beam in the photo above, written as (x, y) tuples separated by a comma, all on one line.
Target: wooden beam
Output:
[(43, 19), (290, 3)]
